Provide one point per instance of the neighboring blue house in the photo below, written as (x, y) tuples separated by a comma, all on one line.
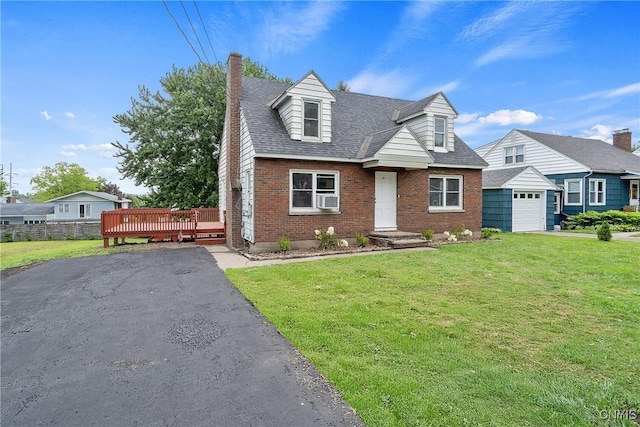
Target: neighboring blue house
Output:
[(86, 205), (25, 213), (590, 175)]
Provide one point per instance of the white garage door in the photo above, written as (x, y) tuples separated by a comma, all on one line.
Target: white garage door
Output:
[(528, 211)]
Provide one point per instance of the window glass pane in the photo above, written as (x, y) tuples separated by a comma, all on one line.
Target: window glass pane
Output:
[(310, 128), (573, 198), (573, 186), (302, 199), (440, 122), (302, 181), (453, 199), (310, 110), (520, 158), (435, 184), (435, 199), (439, 140), (453, 185), (326, 183)]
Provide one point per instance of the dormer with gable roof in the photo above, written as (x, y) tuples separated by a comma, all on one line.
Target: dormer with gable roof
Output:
[(431, 119), (305, 109)]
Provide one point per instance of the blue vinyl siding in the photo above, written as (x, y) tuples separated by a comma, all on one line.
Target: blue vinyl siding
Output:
[(74, 209), (497, 209), (616, 192), (550, 216)]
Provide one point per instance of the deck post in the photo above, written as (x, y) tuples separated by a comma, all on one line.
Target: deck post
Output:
[(105, 242)]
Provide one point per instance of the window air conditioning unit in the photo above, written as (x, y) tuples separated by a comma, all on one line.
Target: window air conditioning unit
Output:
[(325, 201)]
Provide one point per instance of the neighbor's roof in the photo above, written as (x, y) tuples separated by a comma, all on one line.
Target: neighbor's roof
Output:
[(24, 209), (496, 178), (98, 194), (596, 154), (355, 117)]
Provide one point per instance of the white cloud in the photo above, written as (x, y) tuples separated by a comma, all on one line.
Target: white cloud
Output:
[(70, 115), (68, 153), (74, 147), (510, 117), (391, 83), (46, 115), (521, 30), (612, 93), (105, 150), (602, 132), (294, 25), (467, 118)]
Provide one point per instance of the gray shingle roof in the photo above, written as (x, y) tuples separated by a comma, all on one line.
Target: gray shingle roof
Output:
[(598, 155), (99, 194), (21, 209), (354, 118), (496, 178)]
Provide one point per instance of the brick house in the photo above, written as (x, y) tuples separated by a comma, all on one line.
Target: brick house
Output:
[(298, 157)]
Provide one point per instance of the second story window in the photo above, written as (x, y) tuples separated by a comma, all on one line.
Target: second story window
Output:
[(440, 131), (311, 122), (514, 155)]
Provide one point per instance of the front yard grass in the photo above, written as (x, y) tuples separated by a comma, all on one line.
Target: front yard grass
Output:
[(531, 330), (21, 254)]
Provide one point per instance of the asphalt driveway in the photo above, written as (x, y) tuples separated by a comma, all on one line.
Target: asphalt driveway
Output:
[(150, 338)]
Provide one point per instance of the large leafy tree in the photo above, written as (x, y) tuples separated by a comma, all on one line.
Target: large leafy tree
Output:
[(62, 179), (174, 135)]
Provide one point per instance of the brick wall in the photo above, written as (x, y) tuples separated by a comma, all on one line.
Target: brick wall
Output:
[(50, 231), (357, 201)]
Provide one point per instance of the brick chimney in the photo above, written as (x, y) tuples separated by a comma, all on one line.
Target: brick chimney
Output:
[(622, 139), (233, 216)]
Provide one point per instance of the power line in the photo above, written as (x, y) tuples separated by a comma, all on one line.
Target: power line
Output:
[(194, 30), (179, 28), (204, 27)]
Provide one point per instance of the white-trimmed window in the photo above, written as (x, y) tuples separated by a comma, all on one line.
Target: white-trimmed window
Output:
[(514, 155), (311, 119), (597, 192), (84, 210), (63, 208), (314, 191), (556, 203), (573, 192), (440, 132), (445, 192)]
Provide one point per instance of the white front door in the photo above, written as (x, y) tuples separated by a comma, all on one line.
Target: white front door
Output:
[(634, 193), (386, 201)]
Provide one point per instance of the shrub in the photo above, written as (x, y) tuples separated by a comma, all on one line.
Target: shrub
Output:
[(486, 233), (285, 244), (429, 234), (362, 240), (325, 236), (591, 219), (29, 238), (7, 237), (604, 232)]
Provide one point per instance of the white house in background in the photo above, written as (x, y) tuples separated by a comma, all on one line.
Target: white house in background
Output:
[(86, 205)]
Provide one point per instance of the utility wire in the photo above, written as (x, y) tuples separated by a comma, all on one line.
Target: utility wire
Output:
[(194, 31), (205, 31), (179, 28)]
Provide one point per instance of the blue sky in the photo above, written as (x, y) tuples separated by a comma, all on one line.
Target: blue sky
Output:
[(571, 68)]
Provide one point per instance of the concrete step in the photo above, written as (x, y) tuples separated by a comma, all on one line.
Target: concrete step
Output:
[(395, 235), (409, 243)]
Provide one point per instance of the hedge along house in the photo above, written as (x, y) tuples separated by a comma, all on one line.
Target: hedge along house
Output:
[(591, 174), (299, 157)]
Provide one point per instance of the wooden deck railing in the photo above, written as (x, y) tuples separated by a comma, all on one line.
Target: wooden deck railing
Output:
[(162, 223)]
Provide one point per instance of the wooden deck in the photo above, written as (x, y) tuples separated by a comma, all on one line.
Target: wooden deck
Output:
[(202, 225)]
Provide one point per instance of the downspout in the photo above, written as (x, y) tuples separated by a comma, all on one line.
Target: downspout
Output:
[(586, 191)]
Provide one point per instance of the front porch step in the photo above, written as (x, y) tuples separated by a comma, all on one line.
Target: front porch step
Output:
[(398, 239)]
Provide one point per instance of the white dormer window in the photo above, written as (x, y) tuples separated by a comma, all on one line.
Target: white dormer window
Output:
[(311, 121), (440, 132)]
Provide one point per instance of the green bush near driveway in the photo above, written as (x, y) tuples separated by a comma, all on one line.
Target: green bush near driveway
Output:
[(530, 330)]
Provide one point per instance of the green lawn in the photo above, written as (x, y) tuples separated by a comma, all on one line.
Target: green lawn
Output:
[(532, 330), (20, 254)]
